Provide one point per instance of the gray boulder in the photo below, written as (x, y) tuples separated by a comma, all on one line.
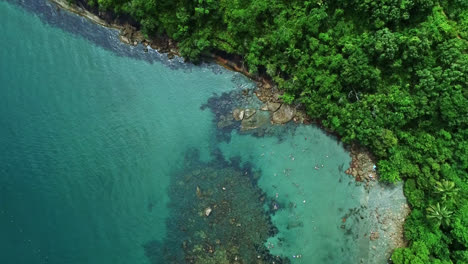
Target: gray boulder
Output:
[(284, 114), (272, 106)]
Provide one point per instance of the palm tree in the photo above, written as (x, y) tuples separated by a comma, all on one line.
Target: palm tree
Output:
[(446, 189), (440, 215)]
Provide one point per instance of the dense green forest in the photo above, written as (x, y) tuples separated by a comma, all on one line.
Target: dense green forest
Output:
[(389, 74)]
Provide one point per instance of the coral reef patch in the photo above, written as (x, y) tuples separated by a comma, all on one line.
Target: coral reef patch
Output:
[(218, 215)]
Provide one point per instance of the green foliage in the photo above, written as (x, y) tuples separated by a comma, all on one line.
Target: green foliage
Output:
[(445, 189), (389, 74), (414, 195), (460, 227), (91, 3), (287, 98), (439, 215), (417, 253)]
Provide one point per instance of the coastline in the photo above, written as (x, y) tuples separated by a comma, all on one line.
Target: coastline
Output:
[(64, 4), (361, 167)]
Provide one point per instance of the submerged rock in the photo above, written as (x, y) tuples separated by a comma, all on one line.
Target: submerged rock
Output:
[(235, 233), (284, 114), (255, 121), (249, 113), (225, 121), (208, 211), (238, 114), (124, 39), (374, 236), (272, 106)]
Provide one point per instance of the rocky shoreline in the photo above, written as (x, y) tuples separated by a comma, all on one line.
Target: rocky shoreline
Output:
[(64, 4), (362, 166), (267, 92)]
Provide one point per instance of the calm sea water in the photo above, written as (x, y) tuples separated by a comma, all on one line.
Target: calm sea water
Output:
[(92, 132)]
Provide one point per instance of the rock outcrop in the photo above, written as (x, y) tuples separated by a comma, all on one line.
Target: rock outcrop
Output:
[(238, 114), (284, 114), (362, 166), (272, 106), (255, 121), (130, 35), (249, 113)]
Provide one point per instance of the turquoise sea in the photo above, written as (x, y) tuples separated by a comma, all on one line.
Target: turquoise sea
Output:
[(110, 154)]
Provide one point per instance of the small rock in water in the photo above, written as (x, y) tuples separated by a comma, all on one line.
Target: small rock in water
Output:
[(208, 211), (238, 114), (124, 39), (248, 113), (374, 236)]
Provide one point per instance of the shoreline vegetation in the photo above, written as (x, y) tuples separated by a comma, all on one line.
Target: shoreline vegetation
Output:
[(393, 84)]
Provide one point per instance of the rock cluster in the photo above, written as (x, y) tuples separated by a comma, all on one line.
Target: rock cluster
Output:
[(363, 165), (273, 111), (388, 231), (132, 36), (212, 208), (250, 118)]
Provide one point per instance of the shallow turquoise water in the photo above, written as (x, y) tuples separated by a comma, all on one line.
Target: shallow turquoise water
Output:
[(304, 172), (92, 130)]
